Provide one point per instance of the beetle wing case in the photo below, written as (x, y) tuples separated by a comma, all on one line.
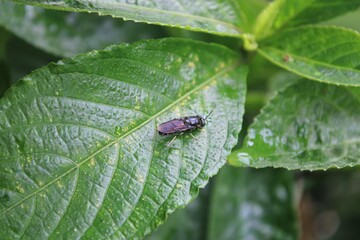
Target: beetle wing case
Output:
[(173, 126)]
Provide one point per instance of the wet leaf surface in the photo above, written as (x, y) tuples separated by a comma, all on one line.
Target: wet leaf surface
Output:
[(325, 54), (308, 126), (80, 154)]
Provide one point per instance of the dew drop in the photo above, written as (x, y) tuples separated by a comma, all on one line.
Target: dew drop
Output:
[(117, 130), (244, 159)]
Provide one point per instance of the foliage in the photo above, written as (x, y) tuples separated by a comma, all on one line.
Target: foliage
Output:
[(80, 156)]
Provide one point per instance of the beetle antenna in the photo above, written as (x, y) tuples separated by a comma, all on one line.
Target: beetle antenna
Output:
[(208, 114)]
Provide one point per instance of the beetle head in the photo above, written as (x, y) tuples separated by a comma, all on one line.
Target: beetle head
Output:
[(203, 119)]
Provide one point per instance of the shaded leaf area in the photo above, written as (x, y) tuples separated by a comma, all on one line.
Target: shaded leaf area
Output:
[(4, 38), (290, 13), (4, 70), (18, 59), (80, 154), (253, 204), (187, 223), (330, 210), (245, 204), (308, 126), (22, 58), (4, 77), (213, 16), (66, 34), (325, 54)]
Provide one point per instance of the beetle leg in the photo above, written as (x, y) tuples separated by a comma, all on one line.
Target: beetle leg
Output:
[(169, 143)]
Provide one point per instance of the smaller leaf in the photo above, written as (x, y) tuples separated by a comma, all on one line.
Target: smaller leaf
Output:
[(220, 17), (253, 204), (68, 33), (325, 54), (308, 126), (251, 9), (290, 13)]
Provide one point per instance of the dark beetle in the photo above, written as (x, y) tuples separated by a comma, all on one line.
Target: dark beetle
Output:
[(181, 125)]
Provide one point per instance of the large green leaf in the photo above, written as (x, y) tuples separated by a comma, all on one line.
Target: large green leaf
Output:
[(325, 54), (253, 204), (308, 126), (290, 13), (66, 34), (213, 16), (79, 152)]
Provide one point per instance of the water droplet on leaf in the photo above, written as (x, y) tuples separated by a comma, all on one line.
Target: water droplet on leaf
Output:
[(244, 159), (117, 130)]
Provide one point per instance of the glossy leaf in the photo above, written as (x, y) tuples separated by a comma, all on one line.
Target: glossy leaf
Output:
[(308, 126), (80, 154), (325, 54), (213, 16), (289, 13), (253, 204), (66, 34)]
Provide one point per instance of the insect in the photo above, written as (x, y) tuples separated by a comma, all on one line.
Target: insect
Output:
[(181, 125)]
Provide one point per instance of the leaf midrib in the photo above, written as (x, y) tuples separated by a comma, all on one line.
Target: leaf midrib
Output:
[(308, 61), (78, 165)]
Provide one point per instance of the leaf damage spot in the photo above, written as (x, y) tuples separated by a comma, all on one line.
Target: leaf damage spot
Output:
[(92, 162), (191, 64)]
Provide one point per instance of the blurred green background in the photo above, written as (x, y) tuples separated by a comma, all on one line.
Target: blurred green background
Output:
[(326, 203)]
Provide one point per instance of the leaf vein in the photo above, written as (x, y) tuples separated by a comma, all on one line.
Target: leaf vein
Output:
[(68, 202), (30, 219), (86, 159)]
